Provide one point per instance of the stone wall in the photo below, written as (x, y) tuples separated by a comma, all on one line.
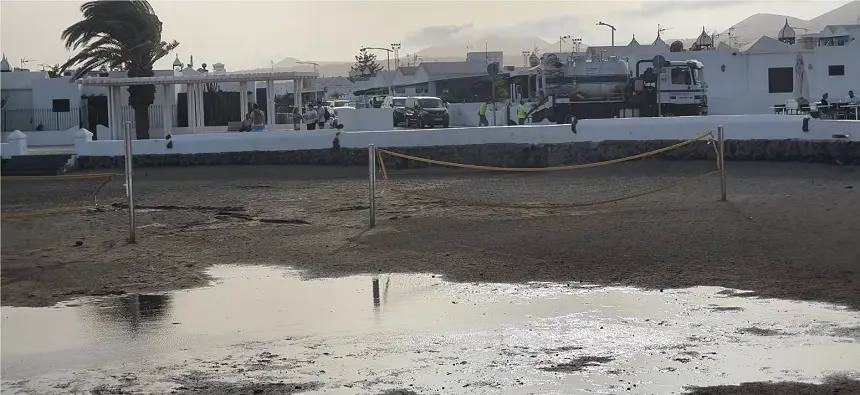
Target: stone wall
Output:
[(513, 155)]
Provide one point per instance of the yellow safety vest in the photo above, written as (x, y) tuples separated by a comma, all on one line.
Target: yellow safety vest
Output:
[(483, 109), (521, 112)]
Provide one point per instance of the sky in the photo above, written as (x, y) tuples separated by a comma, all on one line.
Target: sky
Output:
[(252, 34)]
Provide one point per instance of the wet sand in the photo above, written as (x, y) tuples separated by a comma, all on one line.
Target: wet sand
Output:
[(788, 231)]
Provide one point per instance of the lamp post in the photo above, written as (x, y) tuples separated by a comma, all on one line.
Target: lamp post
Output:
[(396, 48), (525, 58), (601, 23), (387, 51)]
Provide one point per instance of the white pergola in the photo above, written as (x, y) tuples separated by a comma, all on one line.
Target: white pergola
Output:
[(195, 85)]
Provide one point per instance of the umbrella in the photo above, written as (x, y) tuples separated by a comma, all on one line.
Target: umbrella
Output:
[(801, 82)]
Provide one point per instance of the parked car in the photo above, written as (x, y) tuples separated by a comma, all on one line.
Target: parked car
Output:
[(422, 111), (397, 103)]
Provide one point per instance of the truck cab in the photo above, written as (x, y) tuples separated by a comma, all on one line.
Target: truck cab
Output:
[(681, 89)]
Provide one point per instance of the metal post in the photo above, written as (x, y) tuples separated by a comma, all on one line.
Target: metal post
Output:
[(721, 136), (371, 166), (129, 176)]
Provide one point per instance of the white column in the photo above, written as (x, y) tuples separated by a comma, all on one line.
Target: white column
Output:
[(270, 104), (199, 102), (111, 113), (167, 109), (116, 106), (297, 92), (189, 96), (243, 100)]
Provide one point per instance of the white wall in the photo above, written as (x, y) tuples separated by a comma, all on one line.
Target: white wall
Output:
[(362, 119), (771, 127), (47, 137)]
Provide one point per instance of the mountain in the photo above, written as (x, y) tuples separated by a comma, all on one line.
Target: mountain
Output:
[(848, 14), (511, 47), (750, 29)]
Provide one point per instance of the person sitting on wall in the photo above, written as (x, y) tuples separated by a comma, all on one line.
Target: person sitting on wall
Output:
[(258, 119), (852, 99)]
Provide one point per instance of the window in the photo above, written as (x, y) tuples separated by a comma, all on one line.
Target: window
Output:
[(61, 105), (835, 70), (780, 80)]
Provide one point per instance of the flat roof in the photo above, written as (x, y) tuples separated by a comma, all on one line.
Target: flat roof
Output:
[(203, 78)]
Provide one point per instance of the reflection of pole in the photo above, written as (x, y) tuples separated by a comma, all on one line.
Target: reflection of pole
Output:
[(721, 136), (375, 292), (371, 166), (129, 190)]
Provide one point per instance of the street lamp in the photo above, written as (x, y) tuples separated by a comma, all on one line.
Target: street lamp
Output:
[(561, 40), (388, 53), (396, 48), (525, 58), (601, 23)]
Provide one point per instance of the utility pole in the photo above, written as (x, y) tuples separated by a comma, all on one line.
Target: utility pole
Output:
[(601, 23)]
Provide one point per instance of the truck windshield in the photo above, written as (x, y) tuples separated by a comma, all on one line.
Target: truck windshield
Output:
[(398, 102), (697, 76)]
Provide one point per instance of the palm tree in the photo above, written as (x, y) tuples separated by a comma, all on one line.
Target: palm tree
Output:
[(119, 34)]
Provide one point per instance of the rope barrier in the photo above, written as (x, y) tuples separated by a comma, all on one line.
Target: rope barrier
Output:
[(547, 169), (709, 135), (60, 177)]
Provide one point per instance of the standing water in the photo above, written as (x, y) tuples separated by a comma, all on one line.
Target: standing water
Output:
[(370, 334)]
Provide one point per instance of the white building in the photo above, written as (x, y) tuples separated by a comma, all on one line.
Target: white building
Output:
[(753, 78)]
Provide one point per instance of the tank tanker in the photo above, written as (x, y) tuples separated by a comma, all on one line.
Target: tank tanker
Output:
[(581, 79), (576, 87)]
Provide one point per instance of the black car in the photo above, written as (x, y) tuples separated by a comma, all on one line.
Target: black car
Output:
[(424, 111), (396, 103)]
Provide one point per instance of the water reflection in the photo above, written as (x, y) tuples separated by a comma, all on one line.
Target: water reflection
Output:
[(375, 288), (133, 311)]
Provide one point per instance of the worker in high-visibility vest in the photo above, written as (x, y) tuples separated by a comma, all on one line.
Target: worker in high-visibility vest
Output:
[(482, 114), (521, 113)]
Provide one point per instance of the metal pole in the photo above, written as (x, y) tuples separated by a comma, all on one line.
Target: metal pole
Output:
[(371, 166), (721, 136), (129, 177)]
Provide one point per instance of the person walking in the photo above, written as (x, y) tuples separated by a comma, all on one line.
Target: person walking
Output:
[(482, 114), (521, 113), (258, 119), (297, 118)]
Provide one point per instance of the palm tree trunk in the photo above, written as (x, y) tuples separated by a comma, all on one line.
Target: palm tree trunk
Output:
[(141, 122)]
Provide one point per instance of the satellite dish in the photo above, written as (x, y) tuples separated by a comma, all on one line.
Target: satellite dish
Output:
[(659, 62)]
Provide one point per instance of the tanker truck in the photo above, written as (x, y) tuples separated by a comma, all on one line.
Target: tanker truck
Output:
[(580, 88)]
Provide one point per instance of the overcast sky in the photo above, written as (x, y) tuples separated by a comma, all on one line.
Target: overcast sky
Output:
[(250, 34)]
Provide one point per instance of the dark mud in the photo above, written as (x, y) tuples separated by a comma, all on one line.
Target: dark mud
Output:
[(577, 364), (830, 386)]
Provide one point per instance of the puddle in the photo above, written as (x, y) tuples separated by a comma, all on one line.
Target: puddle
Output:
[(419, 333)]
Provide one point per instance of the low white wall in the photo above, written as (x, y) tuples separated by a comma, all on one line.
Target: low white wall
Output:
[(737, 127), (48, 137), (466, 114), (363, 119)]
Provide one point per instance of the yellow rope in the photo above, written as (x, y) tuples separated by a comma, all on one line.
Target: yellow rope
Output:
[(544, 169), (565, 205)]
